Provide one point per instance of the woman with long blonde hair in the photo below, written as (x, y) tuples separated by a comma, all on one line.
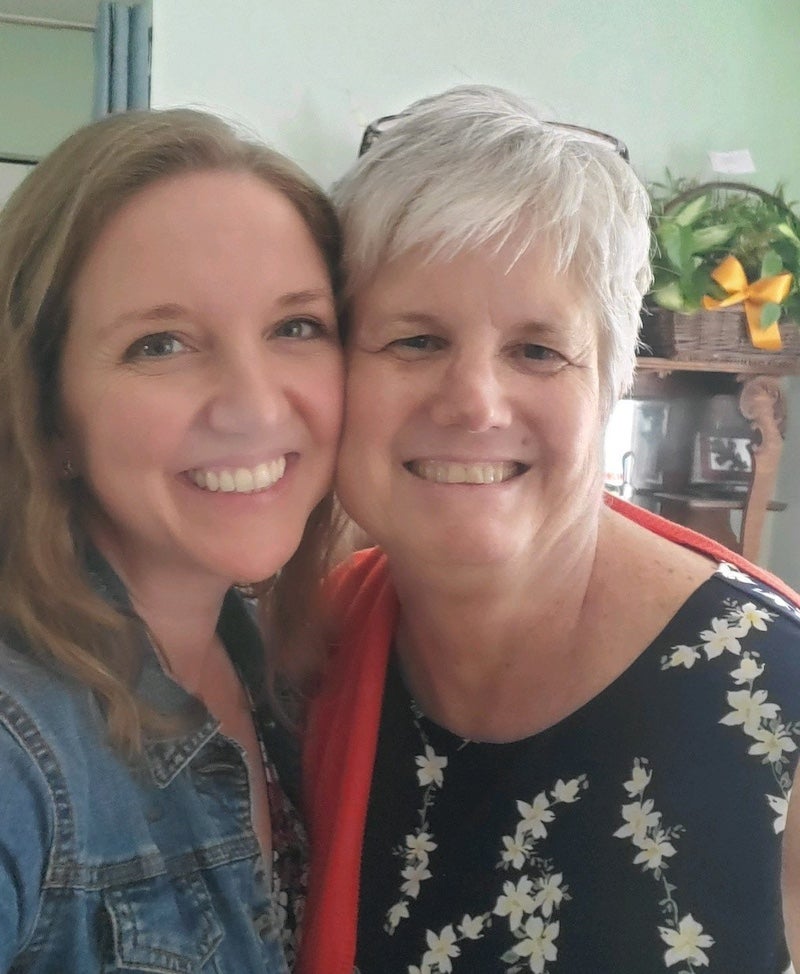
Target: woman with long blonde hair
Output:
[(171, 397)]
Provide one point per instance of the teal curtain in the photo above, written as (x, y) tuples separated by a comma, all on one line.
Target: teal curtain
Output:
[(122, 42)]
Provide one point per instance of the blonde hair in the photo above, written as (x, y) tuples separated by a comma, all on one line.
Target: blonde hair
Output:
[(46, 231)]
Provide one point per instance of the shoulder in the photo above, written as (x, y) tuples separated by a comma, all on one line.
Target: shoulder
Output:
[(49, 718), (30, 685)]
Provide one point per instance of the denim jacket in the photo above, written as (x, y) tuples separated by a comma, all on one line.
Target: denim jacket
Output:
[(106, 866)]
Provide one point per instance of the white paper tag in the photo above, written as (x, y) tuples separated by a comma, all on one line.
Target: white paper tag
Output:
[(732, 163)]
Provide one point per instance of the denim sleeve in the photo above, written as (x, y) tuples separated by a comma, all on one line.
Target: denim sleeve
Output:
[(26, 829)]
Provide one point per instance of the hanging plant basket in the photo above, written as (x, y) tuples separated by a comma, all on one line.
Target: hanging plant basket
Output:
[(716, 336), (726, 259)]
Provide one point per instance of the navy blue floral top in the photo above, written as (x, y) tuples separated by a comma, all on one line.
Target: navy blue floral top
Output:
[(640, 834)]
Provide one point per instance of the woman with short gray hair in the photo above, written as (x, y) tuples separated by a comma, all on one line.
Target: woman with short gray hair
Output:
[(556, 734)]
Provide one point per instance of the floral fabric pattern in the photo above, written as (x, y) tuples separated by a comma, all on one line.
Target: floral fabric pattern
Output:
[(596, 844), (289, 873)]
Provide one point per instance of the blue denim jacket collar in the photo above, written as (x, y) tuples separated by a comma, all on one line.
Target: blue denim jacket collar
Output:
[(166, 758)]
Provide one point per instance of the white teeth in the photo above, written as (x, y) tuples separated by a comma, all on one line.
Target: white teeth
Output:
[(464, 473), (242, 480)]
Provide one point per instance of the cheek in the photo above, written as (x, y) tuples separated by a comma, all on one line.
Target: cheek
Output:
[(323, 391), (124, 432)]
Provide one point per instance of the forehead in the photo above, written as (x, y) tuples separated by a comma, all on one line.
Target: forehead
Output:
[(179, 205), (504, 283), (210, 232)]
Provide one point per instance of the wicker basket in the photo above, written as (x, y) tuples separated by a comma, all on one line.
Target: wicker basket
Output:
[(716, 336), (720, 335)]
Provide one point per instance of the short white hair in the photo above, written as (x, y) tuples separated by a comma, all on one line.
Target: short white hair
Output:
[(475, 165)]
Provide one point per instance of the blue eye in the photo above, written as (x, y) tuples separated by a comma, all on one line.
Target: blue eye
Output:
[(160, 345), (300, 328), (418, 343), (539, 352)]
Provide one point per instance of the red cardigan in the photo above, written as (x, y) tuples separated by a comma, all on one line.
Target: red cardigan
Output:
[(343, 729)]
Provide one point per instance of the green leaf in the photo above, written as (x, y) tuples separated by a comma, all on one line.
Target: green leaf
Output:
[(771, 264), (698, 284), (786, 231), (669, 236), (709, 238), (690, 212), (670, 297), (792, 305), (770, 314)]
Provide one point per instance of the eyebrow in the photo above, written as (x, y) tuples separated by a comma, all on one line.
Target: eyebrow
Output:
[(426, 320), (174, 312)]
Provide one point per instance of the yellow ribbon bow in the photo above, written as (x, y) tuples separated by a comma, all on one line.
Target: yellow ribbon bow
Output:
[(731, 277)]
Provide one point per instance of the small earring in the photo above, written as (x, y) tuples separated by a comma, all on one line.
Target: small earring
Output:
[(67, 468)]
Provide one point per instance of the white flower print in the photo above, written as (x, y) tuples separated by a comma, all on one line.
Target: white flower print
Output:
[(471, 927), (683, 937), (640, 779), (538, 945), (686, 943), (639, 817), (772, 739), (413, 876), (749, 709), (395, 914), (430, 767), (772, 742), (776, 599), (420, 845), (515, 851), (655, 849), (720, 637), (747, 671), (567, 791), (514, 901), (684, 656), (728, 571), (415, 854), (534, 816), (780, 806), (750, 616), (550, 894), (441, 949)]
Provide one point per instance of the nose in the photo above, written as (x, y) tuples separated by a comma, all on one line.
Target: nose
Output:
[(248, 393), (473, 394)]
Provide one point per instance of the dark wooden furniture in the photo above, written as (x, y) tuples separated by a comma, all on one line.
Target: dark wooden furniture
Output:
[(762, 403)]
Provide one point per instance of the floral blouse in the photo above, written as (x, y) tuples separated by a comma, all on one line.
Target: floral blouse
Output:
[(642, 833)]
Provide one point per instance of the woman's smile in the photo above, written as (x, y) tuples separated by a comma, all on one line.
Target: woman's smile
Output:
[(470, 472), (239, 480)]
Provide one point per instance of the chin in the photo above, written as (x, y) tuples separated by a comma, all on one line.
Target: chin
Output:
[(464, 549), (239, 570)]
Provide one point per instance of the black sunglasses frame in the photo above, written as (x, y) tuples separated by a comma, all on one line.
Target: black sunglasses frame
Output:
[(375, 129)]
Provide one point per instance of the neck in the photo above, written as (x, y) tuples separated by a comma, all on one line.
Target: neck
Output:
[(180, 611), (468, 636)]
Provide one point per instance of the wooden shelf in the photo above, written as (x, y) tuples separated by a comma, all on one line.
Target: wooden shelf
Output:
[(712, 503), (646, 363)]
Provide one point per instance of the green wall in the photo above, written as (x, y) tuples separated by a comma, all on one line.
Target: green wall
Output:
[(46, 78), (673, 78)]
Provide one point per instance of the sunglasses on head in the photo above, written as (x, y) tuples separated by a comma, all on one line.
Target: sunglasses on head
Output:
[(375, 129)]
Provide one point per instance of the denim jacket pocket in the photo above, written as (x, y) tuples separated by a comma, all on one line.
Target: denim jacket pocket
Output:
[(165, 924)]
